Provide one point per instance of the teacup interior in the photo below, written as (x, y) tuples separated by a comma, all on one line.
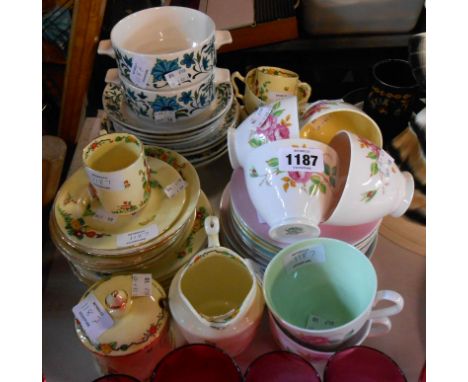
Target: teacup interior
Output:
[(325, 294), (216, 284), (324, 128), (113, 156), (162, 30), (341, 144)]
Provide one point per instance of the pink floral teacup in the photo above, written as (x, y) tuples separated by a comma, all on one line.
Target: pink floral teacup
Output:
[(370, 185), (291, 183), (270, 123)]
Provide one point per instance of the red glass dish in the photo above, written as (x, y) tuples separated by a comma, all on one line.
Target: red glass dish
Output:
[(116, 378), (422, 377), (362, 363), (197, 363), (281, 366)]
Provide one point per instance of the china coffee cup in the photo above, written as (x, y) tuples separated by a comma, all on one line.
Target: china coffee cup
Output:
[(369, 182), (291, 184), (165, 47), (273, 83), (251, 102), (324, 291), (118, 172), (323, 119), (270, 123)]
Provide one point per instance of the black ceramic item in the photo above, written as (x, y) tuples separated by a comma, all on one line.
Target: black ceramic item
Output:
[(391, 96)]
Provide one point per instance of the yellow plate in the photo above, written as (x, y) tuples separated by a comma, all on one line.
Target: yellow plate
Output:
[(86, 224)]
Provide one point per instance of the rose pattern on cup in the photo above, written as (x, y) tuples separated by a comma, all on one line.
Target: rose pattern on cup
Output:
[(318, 107), (196, 63), (376, 168), (272, 129), (311, 182)]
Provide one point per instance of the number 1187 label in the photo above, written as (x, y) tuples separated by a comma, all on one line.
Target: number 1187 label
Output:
[(301, 159)]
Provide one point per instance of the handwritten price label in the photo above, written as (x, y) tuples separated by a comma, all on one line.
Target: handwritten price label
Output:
[(140, 236), (112, 182), (313, 255), (140, 71), (174, 188), (177, 77), (93, 318), (141, 284), (165, 116), (301, 159), (104, 216)]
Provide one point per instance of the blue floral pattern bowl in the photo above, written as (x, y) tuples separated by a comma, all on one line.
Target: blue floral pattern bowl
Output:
[(184, 51)]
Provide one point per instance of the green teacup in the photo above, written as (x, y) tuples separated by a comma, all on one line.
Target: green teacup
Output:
[(322, 291)]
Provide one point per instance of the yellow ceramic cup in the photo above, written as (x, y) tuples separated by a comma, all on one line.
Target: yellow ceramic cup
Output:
[(251, 102), (323, 119), (273, 83), (118, 173)]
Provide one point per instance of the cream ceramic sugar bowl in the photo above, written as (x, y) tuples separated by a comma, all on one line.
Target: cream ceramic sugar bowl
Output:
[(215, 298), (124, 322)]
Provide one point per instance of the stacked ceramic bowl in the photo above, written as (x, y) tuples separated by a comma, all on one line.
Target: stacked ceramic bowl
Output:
[(337, 186), (157, 234), (247, 233), (167, 90)]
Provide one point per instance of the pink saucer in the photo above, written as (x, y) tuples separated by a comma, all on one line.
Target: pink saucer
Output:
[(243, 205)]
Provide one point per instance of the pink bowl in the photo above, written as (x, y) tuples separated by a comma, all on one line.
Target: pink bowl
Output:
[(362, 363), (247, 212), (281, 366)]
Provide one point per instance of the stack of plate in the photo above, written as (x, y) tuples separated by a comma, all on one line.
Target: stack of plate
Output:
[(158, 239), (201, 139), (246, 234)]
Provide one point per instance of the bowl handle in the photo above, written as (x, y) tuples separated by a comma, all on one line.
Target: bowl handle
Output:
[(222, 38), (380, 327), (234, 76), (391, 296), (105, 48), (112, 77)]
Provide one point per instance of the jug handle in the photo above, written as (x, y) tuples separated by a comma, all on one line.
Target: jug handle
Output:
[(212, 231)]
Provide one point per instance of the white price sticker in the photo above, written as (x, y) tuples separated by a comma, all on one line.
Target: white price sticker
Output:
[(177, 77), (104, 216), (276, 96), (174, 188), (313, 255), (107, 181), (316, 323), (259, 117), (92, 316), (140, 72), (140, 236), (165, 116), (301, 159), (141, 284)]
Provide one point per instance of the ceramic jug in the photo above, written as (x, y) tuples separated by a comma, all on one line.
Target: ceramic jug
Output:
[(215, 298)]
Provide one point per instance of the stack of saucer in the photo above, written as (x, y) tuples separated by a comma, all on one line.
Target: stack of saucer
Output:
[(159, 238), (246, 233), (167, 91)]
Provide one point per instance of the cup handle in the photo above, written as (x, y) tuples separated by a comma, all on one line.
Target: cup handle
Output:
[(387, 295), (306, 88), (380, 327), (222, 38), (105, 48), (212, 231), (234, 76), (112, 77), (221, 75)]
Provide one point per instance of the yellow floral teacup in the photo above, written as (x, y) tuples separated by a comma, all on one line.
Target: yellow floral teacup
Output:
[(117, 172), (273, 83)]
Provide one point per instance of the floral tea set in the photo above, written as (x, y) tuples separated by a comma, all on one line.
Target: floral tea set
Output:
[(299, 217), (167, 91)]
